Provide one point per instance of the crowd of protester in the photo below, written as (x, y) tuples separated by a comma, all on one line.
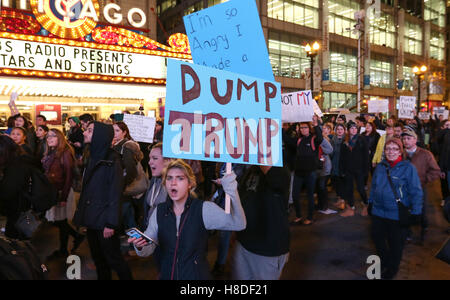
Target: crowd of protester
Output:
[(108, 183)]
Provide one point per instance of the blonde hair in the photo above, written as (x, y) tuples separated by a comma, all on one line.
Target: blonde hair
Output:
[(186, 169)]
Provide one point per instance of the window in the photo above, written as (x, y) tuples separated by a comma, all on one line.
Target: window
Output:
[(437, 45), (434, 11), (338, 100), (341, 17), (382, 30), (301, 12), (343, 65), (214, 2), (165, 5), (408, 77), (193, 8), (380, 72), (413, 38), (287, 56)]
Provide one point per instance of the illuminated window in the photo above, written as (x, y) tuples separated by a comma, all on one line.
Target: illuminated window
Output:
[(301, 12), (343, 65), (166, 4), (338, 100), (382, 30), (381, 72), (214, 2), (434, 11), (287, 56), (408, 77), (413, 38), (341, 17), (193, 8), (437, 45)]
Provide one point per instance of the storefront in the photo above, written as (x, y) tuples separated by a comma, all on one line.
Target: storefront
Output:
[(76, 66)]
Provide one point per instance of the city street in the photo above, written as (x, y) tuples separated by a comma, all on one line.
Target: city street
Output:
[(334, 248)]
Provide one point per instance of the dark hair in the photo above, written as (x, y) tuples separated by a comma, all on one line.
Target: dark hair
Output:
[(42, 117), (24, 131), (26, 123), (374, 128), (8, 150), (86, 118), (311, 132), (44, 127), (124, 128), (398, 124), (11, 122)]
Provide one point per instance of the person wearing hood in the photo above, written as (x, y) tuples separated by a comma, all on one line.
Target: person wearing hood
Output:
[(98, 207)]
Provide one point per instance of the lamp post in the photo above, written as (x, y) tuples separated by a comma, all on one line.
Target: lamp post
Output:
[(312, 53), (420, 71)]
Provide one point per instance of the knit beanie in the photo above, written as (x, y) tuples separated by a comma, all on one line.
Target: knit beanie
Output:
[(75, 119)]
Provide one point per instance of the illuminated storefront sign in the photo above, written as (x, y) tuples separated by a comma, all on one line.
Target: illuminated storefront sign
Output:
[(17, 54), (77, 18)]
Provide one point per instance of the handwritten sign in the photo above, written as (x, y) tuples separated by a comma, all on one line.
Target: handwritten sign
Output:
[(220, 116), (298, 107), (229, 37), (424, 115), (378, 106), (440, 111), (317, 109), (406, 107), (141, 128)]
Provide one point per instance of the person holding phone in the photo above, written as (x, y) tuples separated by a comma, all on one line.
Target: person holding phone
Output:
[(180, 225)]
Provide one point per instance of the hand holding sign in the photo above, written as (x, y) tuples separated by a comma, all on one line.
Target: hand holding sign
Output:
[(13, 97)]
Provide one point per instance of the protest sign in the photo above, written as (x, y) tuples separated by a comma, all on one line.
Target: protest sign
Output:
[(378, 106), (440, 111), (220, 116), (229, 37), (141, 128), (317, 109), (424, 115), (297, 107), (406, 107)]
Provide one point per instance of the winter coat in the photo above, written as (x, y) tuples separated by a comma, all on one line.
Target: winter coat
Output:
[(336, 143), (354, 159), (372, 142), (59, 170), (407, 183), (131, 154), (76, 136), (307, 157), (289, 148), (443, 139), (427, 167), (103, 183), (159, 194), (327, 150), (265, 201)]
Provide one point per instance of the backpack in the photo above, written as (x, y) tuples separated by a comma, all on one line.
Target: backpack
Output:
[(309, 161), (18, 261), (40, 194), (140, 184)]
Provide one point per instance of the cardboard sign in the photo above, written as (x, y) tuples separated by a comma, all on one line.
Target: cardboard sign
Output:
[(406, 107), (298, 107), (378, 106), (424, 115), (142, 129), (317, 109), (229, 37), (220, 116)]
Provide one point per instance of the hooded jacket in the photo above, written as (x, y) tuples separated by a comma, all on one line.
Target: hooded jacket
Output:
[(98, 207), (407, 184)]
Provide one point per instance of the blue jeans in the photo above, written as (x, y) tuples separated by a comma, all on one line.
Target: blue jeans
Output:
[(224, 245), (310, 181)]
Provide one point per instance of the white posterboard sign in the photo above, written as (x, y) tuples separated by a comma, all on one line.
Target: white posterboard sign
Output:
[(424, 115), (440, 111), (297, 107), (142, 129), (406, 107), (317, 109), (378, 106)]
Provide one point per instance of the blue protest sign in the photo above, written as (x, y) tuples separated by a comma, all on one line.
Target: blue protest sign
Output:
[(221, 116), (229, 37)]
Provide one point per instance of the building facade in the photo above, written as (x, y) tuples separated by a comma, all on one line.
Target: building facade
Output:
[(394, 36)]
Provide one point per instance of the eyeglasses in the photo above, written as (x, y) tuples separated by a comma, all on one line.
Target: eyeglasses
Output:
[(392, 149), (303, 127)]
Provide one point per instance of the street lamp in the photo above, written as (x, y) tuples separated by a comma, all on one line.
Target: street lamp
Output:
[(420, 71), (312, 53)]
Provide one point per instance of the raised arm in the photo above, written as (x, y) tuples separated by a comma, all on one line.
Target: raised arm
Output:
[(215, 217)]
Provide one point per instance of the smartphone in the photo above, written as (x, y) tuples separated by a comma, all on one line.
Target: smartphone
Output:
[(135, 233)]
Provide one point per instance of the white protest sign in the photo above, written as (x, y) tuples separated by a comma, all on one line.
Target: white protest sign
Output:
[(440, 111), (297, 107), (406, 107), (317, 109), (141, 128), (378, 106), (424, 115), (380, 132)]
